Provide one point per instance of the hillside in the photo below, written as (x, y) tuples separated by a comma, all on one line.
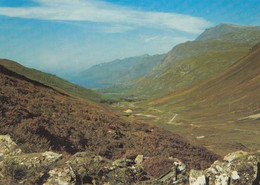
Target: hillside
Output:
[(117, 71), (233, 94), (40, 118), (222, 112), (193, 62), (52, 80)]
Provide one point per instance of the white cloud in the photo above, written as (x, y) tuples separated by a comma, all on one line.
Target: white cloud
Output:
[(165, 39), (149, 39), (116, 29), (102, 12)]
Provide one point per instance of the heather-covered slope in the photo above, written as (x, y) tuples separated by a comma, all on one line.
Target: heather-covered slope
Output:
[(40, 118), (117, 71), (52, 80)]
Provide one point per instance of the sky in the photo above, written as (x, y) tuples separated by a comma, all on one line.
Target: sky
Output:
[(65, 37)]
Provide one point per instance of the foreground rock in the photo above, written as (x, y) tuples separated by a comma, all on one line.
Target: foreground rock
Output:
[(87, 168), (50, 168), (8, 147), (237, 168), (30, 168)]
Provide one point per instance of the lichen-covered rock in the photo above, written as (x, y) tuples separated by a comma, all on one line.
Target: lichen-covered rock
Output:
[(177, 175), (61, 175), (8, 146), (123, 162), (237, 168), (235, 155), (81, 168), (139, 160), (35, 159), (50, 168), (197, 177), (127, 171), (28, 167)]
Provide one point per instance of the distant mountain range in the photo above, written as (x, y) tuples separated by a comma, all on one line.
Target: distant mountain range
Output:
[(193, 62), (117, 71)]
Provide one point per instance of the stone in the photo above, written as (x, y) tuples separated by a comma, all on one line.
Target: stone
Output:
[(128, 111), (50, 168), (218, 173), (123, 162), (235, 155), (197, 177), (139, 160), (23, 167), (81, 168), (181, 167), (169, 178), (63, 175), (51, 156), (8, 146), (177, 175), (237, 168)]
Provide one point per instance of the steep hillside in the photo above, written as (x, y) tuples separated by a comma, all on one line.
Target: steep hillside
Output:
[(52, 80), (40, 118), (117, 72), (193, 62), (224, 108), (235, 88)]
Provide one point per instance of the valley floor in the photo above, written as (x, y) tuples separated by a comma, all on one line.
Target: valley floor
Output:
[(221, 138)]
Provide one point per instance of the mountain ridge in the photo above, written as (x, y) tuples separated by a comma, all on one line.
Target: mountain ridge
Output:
[(222, 29), (192, 62), (116, 72)]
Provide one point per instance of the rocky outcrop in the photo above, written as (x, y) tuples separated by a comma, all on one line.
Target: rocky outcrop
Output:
[(7, 146), (50, 168), (235, 169), (86, 167)]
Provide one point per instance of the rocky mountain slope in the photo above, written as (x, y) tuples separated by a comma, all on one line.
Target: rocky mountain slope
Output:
[(40, 118), (51, 168), (52, 80), (117, 71)]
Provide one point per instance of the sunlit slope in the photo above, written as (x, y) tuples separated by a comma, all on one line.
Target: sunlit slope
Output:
[(193, 62), (235, 88), (224, 108), (51, 80)]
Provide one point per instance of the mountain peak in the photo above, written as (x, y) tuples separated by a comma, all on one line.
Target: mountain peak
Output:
[(221, 29)]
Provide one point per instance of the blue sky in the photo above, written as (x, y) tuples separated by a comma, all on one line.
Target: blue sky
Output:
[(67, 36)]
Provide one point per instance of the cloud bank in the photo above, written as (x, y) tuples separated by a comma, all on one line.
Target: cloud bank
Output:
[(121, 18)]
